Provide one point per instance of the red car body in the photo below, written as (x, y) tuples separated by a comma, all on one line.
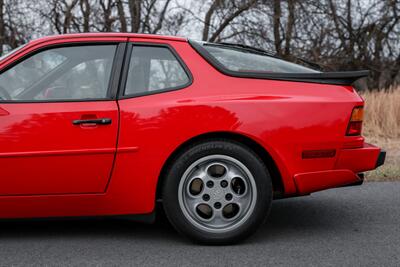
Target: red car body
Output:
[(50, 167)]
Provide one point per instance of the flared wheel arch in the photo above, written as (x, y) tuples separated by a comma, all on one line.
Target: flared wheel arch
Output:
[(276, 177)]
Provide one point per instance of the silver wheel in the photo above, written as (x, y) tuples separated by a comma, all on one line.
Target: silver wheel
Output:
[(217, 193)]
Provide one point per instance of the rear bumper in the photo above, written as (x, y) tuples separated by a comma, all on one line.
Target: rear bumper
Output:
[(349, 163), (381, 159)]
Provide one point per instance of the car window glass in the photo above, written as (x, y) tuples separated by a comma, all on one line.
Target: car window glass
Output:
[(65, 73), (8, 53), (26, 73), (154, 69), (86, 80), (243, 60)]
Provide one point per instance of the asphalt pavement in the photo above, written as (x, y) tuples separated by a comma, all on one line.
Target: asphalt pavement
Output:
[(353, 226)]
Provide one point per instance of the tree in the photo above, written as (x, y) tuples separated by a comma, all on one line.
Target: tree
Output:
[(339, 35), (2, 27)]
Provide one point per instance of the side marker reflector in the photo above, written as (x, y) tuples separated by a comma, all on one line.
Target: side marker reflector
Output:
[(313, 154)]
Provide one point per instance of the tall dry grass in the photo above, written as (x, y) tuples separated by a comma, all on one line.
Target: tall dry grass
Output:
[(382, 114), (382, 128)]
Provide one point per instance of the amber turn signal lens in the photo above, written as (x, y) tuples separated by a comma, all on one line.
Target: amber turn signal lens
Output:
[(355, 125), (358, 114)]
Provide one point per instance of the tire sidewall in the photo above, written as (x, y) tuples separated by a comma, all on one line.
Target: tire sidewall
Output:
[(234, 150)]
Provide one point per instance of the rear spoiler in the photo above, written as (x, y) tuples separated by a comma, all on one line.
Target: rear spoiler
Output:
[(336, 78)]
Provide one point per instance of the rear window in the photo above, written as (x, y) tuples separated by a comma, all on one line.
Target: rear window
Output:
[(246, 60)]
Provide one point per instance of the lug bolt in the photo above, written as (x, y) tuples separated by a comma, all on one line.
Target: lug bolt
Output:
[(210, 184), (228, 197), (224, 183), (206, 197), (217, 205)]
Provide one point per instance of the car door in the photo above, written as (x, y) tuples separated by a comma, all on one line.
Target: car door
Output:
[(58, 120)]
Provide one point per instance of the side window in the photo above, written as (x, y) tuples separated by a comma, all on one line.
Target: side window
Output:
[(65, 73), (154, 68)]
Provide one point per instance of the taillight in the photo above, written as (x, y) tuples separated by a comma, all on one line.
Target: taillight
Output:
[(356, 120)]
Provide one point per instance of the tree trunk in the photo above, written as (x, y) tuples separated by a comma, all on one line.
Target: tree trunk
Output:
[(135, 12), (350, 48), (68, 16), (207, 19), (2, 28), (121, 15), (289, 26), (277, 24), (85, 8)]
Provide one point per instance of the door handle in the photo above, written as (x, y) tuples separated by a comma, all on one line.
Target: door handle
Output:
[(102, 121)]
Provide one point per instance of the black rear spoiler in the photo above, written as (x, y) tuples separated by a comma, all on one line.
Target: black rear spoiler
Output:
[(337, 78)]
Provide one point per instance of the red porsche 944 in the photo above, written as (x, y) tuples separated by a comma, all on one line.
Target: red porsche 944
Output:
[(111, 124)]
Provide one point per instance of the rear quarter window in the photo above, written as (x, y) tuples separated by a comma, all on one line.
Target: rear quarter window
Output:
[(154, 69)]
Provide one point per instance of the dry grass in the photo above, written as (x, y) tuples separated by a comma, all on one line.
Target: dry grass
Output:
[(382, 114), (382, 127)]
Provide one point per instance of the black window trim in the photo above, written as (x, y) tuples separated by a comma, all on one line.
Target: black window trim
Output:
[(336, 78), (125, 71), (114, 76)]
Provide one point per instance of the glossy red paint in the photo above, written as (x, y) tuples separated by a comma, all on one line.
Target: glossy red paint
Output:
[(50, 167), (46, 154)]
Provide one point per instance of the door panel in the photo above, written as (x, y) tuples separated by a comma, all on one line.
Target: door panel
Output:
[(43, 152), (58, 124)]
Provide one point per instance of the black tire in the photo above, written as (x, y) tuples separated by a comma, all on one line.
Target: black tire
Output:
[(200, 150)]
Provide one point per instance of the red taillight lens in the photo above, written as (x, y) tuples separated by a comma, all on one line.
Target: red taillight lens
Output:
[(354, 128), (356, 120)]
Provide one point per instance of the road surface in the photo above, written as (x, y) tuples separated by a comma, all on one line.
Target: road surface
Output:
[(354, 226)]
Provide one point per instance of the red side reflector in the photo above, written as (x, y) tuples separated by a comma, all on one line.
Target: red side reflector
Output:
[(312, 154)]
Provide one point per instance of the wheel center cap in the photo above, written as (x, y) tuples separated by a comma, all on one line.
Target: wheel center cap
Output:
[(217, 194)]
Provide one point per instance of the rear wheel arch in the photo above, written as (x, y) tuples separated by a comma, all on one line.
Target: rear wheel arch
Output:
[(261, 152)]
